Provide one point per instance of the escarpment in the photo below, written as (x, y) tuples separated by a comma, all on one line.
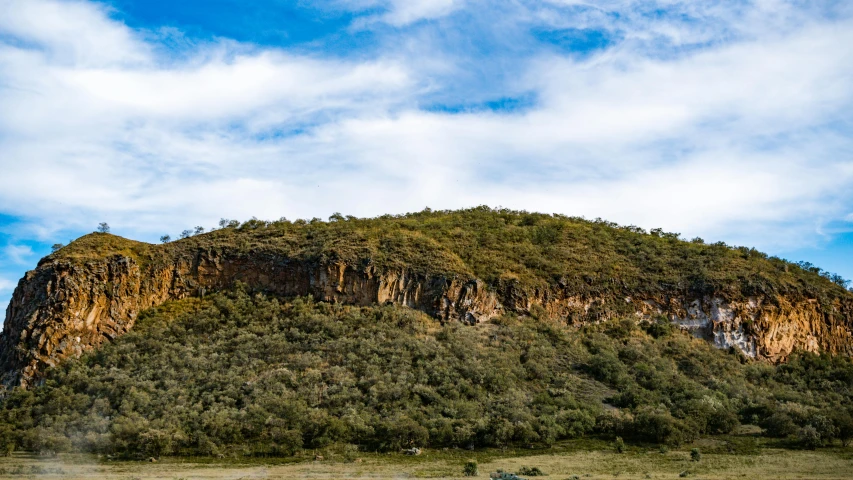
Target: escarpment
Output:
[(93, 290), (64, 308)]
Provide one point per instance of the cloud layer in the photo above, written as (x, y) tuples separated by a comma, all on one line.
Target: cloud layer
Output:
[(728, 120)]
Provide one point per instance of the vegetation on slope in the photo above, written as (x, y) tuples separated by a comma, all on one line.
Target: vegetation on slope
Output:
[(237, 373), (499, 245)]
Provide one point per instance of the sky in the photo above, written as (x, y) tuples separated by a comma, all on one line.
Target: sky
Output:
[(728, 120)]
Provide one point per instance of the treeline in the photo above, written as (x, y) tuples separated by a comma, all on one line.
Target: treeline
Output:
[(501, 242), (243, 374)]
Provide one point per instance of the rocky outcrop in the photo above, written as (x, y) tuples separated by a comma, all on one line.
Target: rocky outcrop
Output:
[(67, 306), (64, 308)]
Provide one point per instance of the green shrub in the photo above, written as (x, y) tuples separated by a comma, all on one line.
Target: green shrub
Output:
[(619, 445), (531, 472), (695, 455), (809, 437), (470, 469)]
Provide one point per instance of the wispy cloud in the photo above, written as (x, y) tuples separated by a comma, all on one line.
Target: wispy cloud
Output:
[(401, 12), (720, 119), (19, 254)]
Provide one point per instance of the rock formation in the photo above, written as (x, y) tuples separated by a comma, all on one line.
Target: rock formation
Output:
[(70, 305)]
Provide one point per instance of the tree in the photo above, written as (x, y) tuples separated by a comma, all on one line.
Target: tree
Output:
[(839, 280), (844, 424), (809, 437), (104, 227), (199, 230), (165, 239), (56, 247), (186, 234)]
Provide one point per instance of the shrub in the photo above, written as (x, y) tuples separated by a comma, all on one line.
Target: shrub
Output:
[(824, 426), (779, 424), (809, 437), (843, 421), (531, 472), (695, 455), (470, 469), (659, 327), (658, 425), (619, 445)]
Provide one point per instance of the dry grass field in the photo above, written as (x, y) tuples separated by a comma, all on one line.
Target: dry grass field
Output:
[(559, 463)]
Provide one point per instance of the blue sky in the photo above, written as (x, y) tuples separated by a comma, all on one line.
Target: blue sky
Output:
[(727, 120)]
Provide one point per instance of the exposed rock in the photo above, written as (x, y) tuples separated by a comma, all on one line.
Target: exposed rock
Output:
[(67, 306)]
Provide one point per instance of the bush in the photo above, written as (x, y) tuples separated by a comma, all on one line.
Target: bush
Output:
[(619, 445), (780, 425), (809, 437), (695, 455), (658, 425), (843, 421), (531, 472), (660, 327), (470, 469)]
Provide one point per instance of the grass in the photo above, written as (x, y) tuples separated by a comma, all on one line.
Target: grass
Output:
[(564, 461)]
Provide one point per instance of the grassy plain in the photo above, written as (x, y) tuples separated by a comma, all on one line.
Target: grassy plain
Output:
[(568, 460)]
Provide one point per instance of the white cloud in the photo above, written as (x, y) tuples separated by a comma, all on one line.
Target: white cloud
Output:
[(17, 254), (401, 13), (6, 285), (404, 12), (72, 32), (736, 141)]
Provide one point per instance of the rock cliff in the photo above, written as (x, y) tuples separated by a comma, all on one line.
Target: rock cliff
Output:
[(72, 303)]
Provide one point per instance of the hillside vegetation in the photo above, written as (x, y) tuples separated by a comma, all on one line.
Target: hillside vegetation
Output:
[(587, 257), (239, 373)]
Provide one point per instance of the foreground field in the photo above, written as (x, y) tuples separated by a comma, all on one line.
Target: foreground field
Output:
[(563, 463)]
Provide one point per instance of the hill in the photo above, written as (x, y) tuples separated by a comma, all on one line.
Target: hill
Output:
[(248, 374), (469, 266), (467, 329)]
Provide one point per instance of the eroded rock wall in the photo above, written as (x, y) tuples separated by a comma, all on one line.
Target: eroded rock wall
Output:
[(64, 308)]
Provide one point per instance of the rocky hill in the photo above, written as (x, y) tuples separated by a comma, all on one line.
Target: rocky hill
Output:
[(465, 266)]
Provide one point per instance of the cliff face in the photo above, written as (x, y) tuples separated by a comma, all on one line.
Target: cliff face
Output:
[(64, 308), (68, 306)]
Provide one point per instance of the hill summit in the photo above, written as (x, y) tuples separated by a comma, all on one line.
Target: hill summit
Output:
[(467, 266)]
